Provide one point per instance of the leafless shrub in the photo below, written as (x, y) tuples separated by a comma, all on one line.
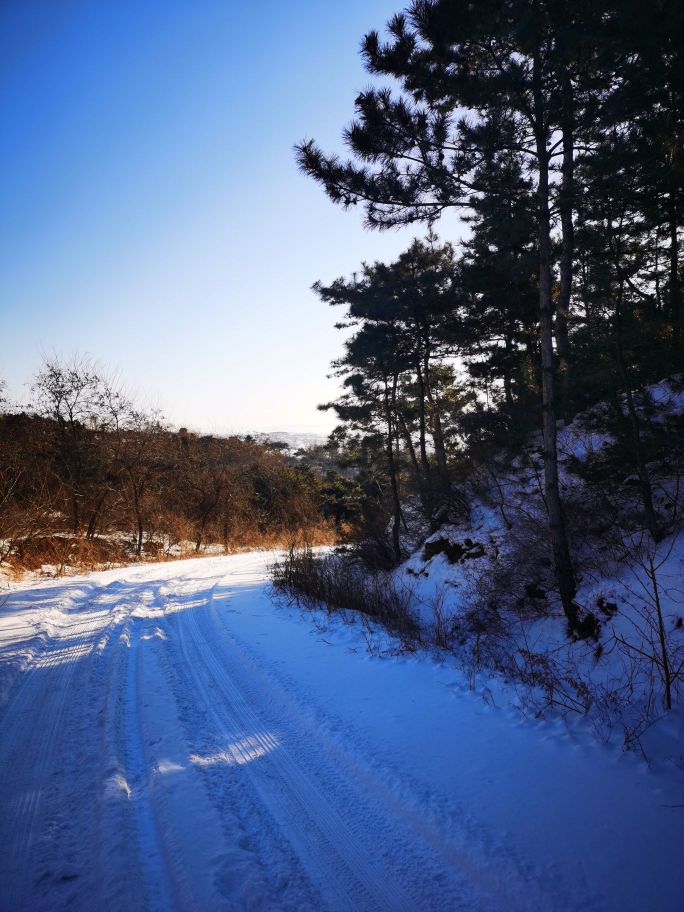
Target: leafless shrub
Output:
[(337, 583), (520, 579), (655, 642), (86, 462), (444, 624)]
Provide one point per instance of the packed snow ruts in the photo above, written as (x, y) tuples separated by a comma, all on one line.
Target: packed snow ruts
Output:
[(171, 738)]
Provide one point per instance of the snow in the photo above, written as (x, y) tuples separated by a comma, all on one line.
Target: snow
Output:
[(172, 738), (618, 696)]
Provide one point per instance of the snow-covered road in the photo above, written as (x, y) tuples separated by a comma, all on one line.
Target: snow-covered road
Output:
[(171, 739)]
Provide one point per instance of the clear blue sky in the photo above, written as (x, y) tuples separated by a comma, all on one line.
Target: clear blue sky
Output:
[(151, 213)]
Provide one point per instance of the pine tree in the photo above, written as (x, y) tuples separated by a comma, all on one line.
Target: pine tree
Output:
[(415, 157), (416, 298)]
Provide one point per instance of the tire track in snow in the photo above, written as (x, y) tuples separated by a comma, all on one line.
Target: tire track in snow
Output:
[(162, 870), (502, 876), (345, 831), (252, 866), (437, 873), (188, 826), (31, 727), (149, 853), (138, 863), (327, 848), (118, 862)]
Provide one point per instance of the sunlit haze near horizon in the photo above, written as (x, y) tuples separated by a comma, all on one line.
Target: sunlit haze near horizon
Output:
[(152, 213)]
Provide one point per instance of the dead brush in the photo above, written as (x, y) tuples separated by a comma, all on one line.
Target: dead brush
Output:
[(443, 623), (65, 551), (336, 583)]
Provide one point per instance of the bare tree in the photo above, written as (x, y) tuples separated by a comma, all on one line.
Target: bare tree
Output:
[(655, 639), (67, 392)]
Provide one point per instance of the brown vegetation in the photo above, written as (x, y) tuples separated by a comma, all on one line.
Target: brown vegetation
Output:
[(88, 478)]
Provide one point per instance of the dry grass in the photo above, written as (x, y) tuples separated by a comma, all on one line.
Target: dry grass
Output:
[(62, 554), (336, 583)]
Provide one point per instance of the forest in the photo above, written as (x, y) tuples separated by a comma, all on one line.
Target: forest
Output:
[(512, 393), (89, 477)]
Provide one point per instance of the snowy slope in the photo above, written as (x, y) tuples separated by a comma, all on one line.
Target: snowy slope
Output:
[(172, 739), (496, 592)]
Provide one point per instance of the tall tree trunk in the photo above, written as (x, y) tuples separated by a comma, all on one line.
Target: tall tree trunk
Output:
[(507, 379), (675, 284), (634, 426), (565, 576), (566, 203), (658, 301), (397, 443), (406, 434), (75, 513), (422, 443), (137, 494), (199, 535), (392, 466), (94, 517), (437, 432)]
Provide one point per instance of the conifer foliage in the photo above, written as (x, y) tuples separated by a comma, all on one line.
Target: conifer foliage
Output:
[(555, 130)]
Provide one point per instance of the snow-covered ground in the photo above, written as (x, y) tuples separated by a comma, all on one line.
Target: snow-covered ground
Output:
[(172, 739), (490, 576)]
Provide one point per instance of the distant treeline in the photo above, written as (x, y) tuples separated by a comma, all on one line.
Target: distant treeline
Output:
[(87, 475)]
